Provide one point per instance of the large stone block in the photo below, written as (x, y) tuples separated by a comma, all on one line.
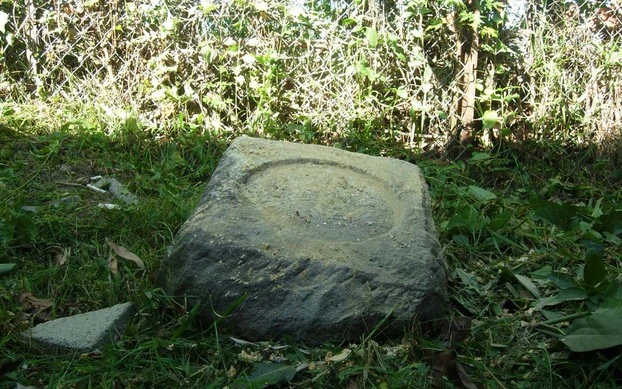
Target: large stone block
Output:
[(325, 243)]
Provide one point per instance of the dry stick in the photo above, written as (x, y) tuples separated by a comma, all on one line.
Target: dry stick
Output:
[(69, 184)]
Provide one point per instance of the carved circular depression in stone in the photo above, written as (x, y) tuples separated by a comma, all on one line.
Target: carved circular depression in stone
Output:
[(321, 201)]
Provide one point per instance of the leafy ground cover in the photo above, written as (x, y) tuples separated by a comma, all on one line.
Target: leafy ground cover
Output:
[(532, 237)]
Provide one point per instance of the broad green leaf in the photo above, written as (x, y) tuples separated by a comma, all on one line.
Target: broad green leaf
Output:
[(461, 240), (543, 273), (6, 267), (4, 18), (401, 92), (602, 329), (615, 290), (349, 21), (562, 280), (593, 237), (594, 271), (501, 220), (428, 73), (207, 6), (466, 220), (512, 97), (561, 215), (481, 194), (527, 284), (562, 297), (265, 374), (550, 315), (613, 239), (490, 119), (479, 157), (611, 223), (467, 278), (372, 37)]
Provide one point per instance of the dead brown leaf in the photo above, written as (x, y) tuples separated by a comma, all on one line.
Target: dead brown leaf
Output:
[(352, 385), (442, 365), (60, 254), (127, 254), (34, 306), (460, 329), (112, 264), (465, 379), (31, 302)]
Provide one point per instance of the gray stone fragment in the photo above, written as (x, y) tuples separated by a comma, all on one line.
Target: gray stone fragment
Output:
[(117, 189), (84, 332), (325, 243)]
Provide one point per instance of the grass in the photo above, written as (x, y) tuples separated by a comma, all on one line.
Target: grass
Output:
[(486, 209)]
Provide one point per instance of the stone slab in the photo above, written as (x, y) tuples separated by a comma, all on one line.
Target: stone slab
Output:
[(84, 332), (324, 244)]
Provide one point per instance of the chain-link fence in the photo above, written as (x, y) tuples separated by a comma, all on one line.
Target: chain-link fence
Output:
[(248, 64)]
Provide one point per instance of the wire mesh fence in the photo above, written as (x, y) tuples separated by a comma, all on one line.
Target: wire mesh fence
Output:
[(230, 64)]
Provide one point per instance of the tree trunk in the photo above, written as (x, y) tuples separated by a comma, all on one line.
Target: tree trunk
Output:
[(467, 50)]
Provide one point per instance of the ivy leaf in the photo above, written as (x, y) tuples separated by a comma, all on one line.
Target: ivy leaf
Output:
[(602, 329)]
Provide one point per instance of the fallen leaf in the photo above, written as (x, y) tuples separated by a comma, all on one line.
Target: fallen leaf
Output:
[(127, 254), (30, 302), (35, 307), (442, 365), (60, 254), (466, 381), (241, 342), (460, 329), (352, 385), (342, 356), (112, 264)]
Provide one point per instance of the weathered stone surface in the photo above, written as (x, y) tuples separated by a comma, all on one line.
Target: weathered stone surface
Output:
[(324, 242)]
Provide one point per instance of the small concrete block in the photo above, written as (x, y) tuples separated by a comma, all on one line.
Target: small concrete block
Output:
[(84, 332)]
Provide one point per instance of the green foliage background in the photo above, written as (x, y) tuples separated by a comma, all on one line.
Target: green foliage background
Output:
[(323, 71)]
